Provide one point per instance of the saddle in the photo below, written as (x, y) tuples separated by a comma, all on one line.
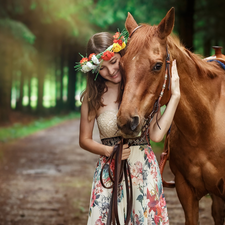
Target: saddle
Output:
[(218, 55)]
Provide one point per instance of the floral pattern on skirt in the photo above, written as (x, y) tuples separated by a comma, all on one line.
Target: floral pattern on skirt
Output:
[(149, 205)]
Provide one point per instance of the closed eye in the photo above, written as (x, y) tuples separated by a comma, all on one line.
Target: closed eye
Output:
[(157, 66)]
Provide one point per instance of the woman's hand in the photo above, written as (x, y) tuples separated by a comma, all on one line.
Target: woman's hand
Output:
[(175, 83), (126, 152), (166, 119)]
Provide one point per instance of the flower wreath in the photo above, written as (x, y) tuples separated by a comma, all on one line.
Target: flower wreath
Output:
[(93, 61)]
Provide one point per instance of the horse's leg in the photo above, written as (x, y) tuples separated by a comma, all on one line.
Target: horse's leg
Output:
[(218, 209), (188, 200)]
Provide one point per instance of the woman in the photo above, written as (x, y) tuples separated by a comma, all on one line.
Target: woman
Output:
[(101, 101)]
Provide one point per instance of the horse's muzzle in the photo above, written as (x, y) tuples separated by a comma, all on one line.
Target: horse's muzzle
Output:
[(129, 127), (134, 122)]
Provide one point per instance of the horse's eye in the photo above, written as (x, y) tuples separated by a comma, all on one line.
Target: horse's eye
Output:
[(157, 66)]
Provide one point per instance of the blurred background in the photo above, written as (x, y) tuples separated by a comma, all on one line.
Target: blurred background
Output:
[(40, 41), (46, 178)]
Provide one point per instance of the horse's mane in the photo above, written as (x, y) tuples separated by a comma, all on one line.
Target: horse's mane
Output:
[(211, 69), (140, 40)]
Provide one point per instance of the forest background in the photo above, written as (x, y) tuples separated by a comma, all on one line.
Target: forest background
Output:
[(40, 41)]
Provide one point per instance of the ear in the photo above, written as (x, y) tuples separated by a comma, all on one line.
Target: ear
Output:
[(166, 25), (130, 23)]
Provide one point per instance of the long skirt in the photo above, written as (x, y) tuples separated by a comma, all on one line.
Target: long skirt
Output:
[(149, 205)]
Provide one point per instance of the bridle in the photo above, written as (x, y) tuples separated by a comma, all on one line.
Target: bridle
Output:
[(156, 107)]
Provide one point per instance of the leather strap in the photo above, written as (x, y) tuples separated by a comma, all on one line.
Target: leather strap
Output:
[(121, 170), (163, 158), (134, 31)]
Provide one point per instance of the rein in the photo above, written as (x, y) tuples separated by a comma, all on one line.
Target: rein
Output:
[(145, 131), (122, 169), (157, 105), (121, 166)]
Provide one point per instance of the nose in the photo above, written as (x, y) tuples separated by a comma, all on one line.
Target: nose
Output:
[(134, 122), (111, 70)]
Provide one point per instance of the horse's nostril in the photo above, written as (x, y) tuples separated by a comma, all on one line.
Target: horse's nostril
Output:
[(134, 122)]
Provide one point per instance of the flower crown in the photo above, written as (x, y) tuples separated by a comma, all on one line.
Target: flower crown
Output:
[(93, 61)]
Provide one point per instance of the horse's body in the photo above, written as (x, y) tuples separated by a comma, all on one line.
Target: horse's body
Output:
[(197, 144)]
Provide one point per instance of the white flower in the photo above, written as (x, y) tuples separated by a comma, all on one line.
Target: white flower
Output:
[(88, 67), (91, 66), (85, 68), (95, 60)]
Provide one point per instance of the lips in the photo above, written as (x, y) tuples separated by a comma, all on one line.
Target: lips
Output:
[(116, 75)]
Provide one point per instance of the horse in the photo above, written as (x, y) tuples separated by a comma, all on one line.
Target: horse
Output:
[(197, 143)]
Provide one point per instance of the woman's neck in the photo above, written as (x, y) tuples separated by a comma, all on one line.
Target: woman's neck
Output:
[(112, 85)]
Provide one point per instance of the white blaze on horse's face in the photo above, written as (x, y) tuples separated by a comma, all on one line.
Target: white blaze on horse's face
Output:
[(143, 67)]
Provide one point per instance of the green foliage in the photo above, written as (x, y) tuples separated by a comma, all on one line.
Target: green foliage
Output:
[(73, 14), (20, 130), (109, 14), (17, 29)]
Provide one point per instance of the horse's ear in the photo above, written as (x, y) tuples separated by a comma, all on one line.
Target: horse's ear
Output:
[(130, 23), (166, 25)]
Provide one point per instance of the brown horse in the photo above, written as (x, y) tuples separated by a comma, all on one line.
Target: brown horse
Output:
[(197, 140)]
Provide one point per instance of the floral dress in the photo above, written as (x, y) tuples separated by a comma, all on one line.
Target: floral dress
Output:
[(149, 205)]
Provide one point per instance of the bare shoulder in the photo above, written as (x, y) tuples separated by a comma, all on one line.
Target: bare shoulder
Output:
[(85, 114)]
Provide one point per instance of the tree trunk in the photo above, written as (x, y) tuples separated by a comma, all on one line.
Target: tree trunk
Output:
[(41, 77), (185, 18), (29, 92), (5, 81), (20, 100), (59, 80), (207, 48), (71, 83)]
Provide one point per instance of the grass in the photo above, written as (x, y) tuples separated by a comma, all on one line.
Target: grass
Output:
[(157, 146), (19, 130)]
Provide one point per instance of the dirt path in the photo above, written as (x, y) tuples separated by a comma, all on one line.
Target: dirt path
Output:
[(45, 179)]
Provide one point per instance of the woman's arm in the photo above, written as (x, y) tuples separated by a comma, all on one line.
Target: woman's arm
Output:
[(85, 139), (166, 119), (86, 129)]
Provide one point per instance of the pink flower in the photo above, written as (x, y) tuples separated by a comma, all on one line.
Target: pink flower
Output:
[(150, 155), (99, 222), (162, 202), (93, 197), (139, 166), (134, 170), (116, 35), (135, 181), (157, 219)]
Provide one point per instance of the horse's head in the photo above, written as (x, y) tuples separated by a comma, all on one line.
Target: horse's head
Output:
[(143, 67)]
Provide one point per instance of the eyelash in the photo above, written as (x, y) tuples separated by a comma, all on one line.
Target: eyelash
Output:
[(113, 62)]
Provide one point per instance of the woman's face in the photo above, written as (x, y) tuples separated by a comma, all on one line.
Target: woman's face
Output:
[(110, 69)]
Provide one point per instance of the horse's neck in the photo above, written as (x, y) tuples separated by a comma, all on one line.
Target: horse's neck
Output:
[(195, 111)]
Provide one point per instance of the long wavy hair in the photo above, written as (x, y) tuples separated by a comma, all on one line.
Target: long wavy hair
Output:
[(99, 42)]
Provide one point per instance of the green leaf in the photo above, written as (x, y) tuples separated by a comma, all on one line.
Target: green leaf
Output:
[(17, 29)]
